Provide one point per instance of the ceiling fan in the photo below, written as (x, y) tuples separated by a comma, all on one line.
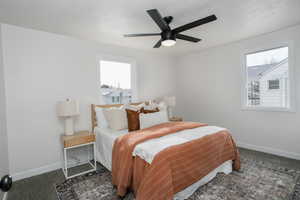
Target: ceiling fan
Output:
[(169, 36)]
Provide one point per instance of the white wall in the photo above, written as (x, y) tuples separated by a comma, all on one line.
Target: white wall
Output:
[(42, 68), (209, 90), (3, 133)]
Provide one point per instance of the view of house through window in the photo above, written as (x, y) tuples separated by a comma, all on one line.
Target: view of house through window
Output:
[(115, 81), (268, 78)]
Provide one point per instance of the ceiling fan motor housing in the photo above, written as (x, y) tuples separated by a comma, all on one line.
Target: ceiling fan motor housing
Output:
[(168, 19), (168, 35)]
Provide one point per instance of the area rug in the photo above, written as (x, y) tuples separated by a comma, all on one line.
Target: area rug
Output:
[(257, 180)]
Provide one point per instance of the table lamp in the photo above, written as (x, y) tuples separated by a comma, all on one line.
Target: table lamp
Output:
[(171, 102), (68, 109)]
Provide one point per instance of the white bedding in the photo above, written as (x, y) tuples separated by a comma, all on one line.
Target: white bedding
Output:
[(148, 150), (105, 138)]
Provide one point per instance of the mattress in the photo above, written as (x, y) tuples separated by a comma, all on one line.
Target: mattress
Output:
[(105, 138)]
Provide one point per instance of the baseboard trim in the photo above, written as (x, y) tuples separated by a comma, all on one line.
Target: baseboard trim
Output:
[(269, 150), (41, 170), (36, 171)]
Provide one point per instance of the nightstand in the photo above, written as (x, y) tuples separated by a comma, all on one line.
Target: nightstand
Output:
[(79, 139), (176, 119)]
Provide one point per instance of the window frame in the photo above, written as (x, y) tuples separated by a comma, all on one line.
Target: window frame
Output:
[(133, 74), (279, 86), (244, 86)]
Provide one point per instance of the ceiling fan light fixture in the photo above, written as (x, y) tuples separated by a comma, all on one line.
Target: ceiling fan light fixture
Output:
[(168, 43), (168, 39)]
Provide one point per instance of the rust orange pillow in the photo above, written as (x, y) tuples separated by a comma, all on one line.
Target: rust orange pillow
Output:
[(133, 118)]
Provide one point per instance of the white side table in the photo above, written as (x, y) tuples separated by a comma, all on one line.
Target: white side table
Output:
[(79, 139)]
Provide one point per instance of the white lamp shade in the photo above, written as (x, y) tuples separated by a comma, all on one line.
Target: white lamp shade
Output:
[(67, 108), (170, 101)]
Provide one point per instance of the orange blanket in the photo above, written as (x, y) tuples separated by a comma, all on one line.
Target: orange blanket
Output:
[(174, 168)]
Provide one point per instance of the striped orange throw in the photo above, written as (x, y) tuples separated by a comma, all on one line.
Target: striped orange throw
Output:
[(174, 168)]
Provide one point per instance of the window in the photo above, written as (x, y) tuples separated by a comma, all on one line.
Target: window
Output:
[(268, 79), (115, 82), (274, 84)]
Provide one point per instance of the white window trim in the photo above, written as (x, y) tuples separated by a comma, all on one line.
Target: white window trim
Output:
[(273, 45), (131, 61), (273, 89)]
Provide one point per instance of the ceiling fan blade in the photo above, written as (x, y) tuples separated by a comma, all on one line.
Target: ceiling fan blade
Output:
[(187, 38), (154, 14), (141, 34), (195, 24), (158, 44)]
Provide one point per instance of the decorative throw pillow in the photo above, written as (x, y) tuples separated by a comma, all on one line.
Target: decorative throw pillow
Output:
[(116, 118), (133, 117), (151, 119), (147, 110), (134, 107), (151, 106), (133, 120), (161, 105)]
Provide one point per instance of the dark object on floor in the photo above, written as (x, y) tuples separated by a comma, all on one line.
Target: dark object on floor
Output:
[(258, 179), (5, 183)]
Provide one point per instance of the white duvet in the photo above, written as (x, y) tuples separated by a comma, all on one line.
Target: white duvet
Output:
[(147, 150), (105, 139)]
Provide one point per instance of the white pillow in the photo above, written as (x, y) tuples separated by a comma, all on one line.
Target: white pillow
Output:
[(162, 106), (116, 118), (101, 121), (134, 107), (151, 106), (151, 119)]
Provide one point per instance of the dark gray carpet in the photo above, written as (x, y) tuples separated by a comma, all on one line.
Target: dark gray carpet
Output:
[(263, 173), (259, 179)]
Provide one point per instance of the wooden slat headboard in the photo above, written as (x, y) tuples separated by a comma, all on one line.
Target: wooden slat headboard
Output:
[(93, 112)]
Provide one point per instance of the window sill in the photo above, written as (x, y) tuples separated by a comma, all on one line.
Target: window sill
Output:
[(268, 109)]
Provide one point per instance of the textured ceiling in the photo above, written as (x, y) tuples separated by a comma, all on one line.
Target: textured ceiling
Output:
[(106, 21)]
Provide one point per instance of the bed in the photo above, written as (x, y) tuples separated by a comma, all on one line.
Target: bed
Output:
[(147, 151)]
